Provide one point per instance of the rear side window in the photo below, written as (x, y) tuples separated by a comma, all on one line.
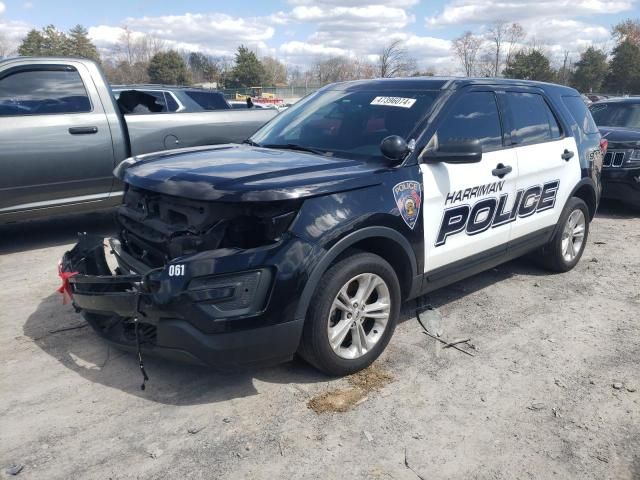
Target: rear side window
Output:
[(158, 105), (580, 114), (474, 116), (172, 105), (43, 92), (533, 120), (141, 101), (208, 100)]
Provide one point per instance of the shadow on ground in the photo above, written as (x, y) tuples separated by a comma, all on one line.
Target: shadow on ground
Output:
[(83, 352), (613, 209), (51, 232), (456, 291)]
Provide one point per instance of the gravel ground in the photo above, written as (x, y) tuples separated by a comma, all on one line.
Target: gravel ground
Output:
[(552, 391)]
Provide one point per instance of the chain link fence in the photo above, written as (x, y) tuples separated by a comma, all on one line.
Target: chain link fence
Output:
[(286, 94)]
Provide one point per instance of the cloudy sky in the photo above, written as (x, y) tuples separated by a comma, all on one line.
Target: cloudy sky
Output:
[(301, 31)]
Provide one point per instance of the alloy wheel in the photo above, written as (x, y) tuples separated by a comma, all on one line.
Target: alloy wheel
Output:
[(359, 315), (573, 235)]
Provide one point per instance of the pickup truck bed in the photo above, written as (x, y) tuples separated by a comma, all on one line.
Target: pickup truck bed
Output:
[(62, 135)]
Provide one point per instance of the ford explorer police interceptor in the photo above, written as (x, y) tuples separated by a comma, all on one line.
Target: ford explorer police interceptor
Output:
[(307, 237)]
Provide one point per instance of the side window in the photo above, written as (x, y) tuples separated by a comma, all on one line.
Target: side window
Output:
[(474, 116), (158, 105), (141, 102), (533, 120), (42, 91), (580, 114), (208, 100), (172, 105)]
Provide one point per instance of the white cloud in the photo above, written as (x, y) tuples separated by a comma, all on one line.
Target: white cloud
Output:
[(27, 5), (216, 33), (303, 49), (2, 8), (355, 3), (459, 12)]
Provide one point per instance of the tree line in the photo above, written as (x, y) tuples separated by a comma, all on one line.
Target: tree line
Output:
[(502, 50), (137, 58)]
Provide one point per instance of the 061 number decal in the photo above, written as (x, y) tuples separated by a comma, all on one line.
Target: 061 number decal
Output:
[(176, 270)]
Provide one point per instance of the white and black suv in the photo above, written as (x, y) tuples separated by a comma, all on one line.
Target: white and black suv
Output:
[(307, 237)]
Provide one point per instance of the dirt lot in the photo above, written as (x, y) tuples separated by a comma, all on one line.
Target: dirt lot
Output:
[(536, 401)]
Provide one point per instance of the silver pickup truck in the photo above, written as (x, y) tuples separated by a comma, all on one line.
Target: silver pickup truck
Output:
[(62, 133)]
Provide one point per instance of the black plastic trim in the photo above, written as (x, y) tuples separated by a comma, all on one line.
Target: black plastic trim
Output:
[(341, 246)]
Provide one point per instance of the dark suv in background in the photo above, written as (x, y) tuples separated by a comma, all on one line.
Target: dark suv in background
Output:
[(162, 98), (619, 122)]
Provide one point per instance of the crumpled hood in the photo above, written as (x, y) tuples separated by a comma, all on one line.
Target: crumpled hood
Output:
[(619, 137), (246, 173)]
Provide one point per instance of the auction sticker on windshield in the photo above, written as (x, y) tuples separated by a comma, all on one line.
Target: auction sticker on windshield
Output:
[(394, 101)]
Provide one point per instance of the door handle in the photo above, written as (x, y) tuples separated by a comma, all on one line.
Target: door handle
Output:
[(83, 130), (567, 155), (501, 170)]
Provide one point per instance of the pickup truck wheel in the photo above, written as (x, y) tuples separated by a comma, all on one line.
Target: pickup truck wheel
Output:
[(352, 319), (565, 248)]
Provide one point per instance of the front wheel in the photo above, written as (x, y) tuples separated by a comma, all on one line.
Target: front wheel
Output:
[(353, 316), (567, 245)]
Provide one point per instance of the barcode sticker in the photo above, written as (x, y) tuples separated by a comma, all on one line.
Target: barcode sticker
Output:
[(394, 102)]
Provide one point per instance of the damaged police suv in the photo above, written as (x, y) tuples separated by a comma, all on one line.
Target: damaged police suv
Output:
[(309, 236)]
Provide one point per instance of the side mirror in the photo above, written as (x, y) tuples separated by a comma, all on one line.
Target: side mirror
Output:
[(395, 148), (459, 151)]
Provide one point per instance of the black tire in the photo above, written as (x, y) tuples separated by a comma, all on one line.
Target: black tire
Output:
[(315, 347), (551, 255)]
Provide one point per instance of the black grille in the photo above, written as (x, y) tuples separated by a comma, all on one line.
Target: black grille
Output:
[(614, 158), (156, 228)]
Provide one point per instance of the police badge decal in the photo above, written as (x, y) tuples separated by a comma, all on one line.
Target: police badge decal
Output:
[(408, 198)]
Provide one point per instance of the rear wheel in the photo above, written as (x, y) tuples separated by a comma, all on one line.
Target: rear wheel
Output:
[(353, 316), (567, 245)]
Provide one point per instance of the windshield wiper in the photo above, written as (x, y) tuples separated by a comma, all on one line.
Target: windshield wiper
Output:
[(248, 141), (293, 146)]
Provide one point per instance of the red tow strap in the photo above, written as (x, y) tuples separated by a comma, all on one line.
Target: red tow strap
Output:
[(65, 288)]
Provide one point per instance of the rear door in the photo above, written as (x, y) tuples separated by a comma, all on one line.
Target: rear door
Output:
[(56, 142), (467, 207), (548, 162)]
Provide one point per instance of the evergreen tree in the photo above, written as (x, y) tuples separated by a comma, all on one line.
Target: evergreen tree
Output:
[(591, 70), (169, 68), (80, 45), (624, 68), (532, 65), (248, 71), (31, 45), (55, 43)]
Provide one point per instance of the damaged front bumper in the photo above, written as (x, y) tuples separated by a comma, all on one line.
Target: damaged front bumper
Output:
[(193, 310)]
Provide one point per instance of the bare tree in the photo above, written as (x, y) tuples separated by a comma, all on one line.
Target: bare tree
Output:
[(6, 48), (275, 71), (394, 60), (513, 37), (466, 48), (496, 35), (564, 72), (135, 48)]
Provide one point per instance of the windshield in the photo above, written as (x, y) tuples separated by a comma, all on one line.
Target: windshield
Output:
[(617, 115), (348, 124)]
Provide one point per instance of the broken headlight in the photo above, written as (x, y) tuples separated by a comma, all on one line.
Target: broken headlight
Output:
[(257, 229)]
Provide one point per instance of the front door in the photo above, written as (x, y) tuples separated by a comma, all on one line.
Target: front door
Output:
[(56, 142), (548, 163), (468, 208)]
